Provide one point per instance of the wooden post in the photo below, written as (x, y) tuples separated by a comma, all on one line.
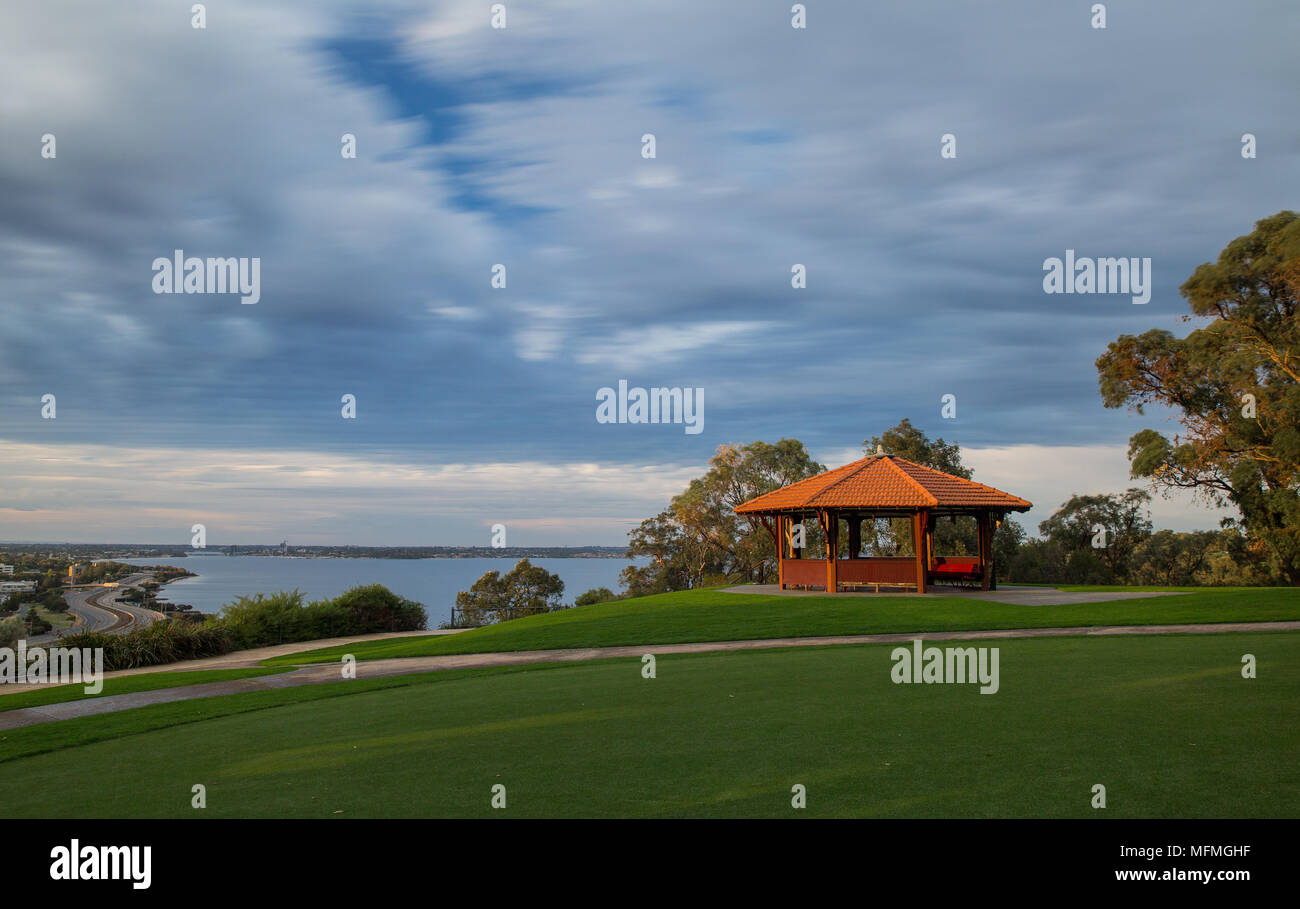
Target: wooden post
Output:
[(780, 551), (995, 523), (929, 540), (831, 525), (985, 544), (855, 535), (918, 547)]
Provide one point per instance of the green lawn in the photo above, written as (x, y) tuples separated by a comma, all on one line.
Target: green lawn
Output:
[(1167, 724), (711, 615), (57, 694), (1140, 588), (62, 619)]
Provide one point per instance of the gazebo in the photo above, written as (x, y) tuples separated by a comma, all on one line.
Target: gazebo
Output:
[(881, 486)]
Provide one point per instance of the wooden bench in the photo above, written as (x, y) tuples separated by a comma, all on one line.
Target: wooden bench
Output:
[(876, 585)]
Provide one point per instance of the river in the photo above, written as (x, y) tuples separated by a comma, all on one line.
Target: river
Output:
[(433, 582)]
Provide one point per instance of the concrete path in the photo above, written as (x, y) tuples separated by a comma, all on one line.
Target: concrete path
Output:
[(330, 672), (1015, 596), (244, 659)]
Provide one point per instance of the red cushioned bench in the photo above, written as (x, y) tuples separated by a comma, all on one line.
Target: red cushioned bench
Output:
[(955, 569)]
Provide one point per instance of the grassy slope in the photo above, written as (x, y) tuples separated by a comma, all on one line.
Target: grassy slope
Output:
[(1166, 724), (57, 694), (709, 615), (55, 736)]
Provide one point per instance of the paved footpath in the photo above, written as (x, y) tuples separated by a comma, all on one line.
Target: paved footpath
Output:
[(1006, 593), (330, 672)]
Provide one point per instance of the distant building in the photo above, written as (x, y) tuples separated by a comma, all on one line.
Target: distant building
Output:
[(74, 571), (6, 569), (8, 587)]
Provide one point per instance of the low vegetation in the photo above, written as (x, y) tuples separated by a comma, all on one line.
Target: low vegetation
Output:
[(255, 622), (12, 630)]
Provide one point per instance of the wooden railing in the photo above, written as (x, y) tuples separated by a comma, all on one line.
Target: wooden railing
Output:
[(812, 572), (877, 570), (805, 572)]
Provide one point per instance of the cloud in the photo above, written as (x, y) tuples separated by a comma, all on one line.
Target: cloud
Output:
[(1048, 475), (522, 146), (117, 493), (628, 349)]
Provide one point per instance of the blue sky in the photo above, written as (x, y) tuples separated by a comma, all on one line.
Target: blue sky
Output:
[(522, 146)]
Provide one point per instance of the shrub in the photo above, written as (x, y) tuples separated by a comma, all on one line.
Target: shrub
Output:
[(11, 631), (282, 617), (375, 608), (259, 620), (254, 622), (595, 595), (152, 645)]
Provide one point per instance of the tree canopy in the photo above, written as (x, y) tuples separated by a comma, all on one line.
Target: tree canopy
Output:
[(893, 536), (1124, 524), (1234, 385), (699, 539), (526, 589), (906, 441)]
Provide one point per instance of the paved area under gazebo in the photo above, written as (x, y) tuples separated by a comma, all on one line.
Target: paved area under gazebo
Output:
[(1016, 596)]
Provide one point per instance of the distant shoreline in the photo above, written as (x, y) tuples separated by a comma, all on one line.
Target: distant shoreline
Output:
[(112, 551)]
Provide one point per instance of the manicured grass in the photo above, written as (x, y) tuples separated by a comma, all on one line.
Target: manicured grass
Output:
[(1166, 724), (1087, 588), (149, 681), (710, 615), (54, 736)]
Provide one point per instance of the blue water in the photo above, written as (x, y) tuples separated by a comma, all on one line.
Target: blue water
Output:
[(433, 582)]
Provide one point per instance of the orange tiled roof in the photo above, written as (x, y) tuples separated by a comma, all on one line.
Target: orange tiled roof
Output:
[(884, 481)]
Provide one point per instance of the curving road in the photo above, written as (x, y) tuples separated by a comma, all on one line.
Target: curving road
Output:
[(100, 608)]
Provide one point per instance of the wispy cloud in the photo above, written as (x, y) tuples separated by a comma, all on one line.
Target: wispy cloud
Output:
[(523, 147)]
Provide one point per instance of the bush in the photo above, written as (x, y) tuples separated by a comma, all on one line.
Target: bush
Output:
[(595, 595), (254, 622), (11, 631), (282, 617), (259, 620), (152, 645), (376, 608)]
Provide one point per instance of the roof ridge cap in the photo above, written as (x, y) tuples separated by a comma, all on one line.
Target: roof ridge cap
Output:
[(1002, 492), (934, 502), (804, 503)]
